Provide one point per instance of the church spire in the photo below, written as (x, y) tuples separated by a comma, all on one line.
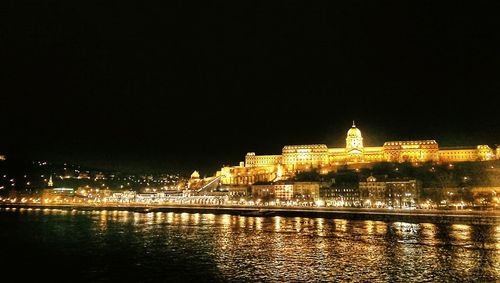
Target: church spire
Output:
[(353, 124), (50, 183)]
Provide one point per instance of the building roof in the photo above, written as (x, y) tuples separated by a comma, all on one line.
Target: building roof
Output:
[(301, 146), (418, 142), (195, 175), (353, 131)]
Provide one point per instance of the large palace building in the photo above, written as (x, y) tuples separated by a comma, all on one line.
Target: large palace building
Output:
[(296, 158)]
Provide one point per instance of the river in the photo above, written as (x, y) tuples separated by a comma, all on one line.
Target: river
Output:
[(123, 246)]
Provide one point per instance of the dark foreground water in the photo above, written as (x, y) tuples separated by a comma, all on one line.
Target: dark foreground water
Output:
[(132, 247)]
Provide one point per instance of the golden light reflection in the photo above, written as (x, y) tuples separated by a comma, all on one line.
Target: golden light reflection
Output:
[(497, 242), (277, 223), (170, 217), (103, 219), (370, 227), (319, 226), (460, 232), (242, 222), (184, 218), (123, 216), (298, 224), (226, 220), (258, 223), (114, 215), (251, 222), (288, 249), (210, 217), (137, 217), (340, 225), (159, 217), (428, 233), (196, 218), (380, 227), (464, 255)]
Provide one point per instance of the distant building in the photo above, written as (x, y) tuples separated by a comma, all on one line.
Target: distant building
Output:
[(83, 175), (341, 194), (296, 158), (300, 191), (241, 175), (389, 193), (99, 176), (58, 193), (236, 191), (195, 180), (122, 197), (50, 183), (3, 157), (472, 153), (306, 191), (272, 192), (149, 197), (486, 196)]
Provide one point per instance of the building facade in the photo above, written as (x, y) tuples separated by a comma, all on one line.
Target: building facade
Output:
[(296, 158), (389, 193), (299, 191), (341, 194)]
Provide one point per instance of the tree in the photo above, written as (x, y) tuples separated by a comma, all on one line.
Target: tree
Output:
[(308, 176)]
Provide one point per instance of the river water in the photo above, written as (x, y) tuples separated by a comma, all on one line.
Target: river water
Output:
[(104, 246)]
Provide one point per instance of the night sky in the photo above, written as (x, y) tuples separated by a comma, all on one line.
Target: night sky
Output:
[(183, 86)]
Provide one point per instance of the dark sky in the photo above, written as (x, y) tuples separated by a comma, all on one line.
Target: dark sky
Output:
[(184, 86)]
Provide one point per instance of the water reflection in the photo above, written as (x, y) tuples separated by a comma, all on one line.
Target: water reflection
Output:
[(235, 248), (277, 224)]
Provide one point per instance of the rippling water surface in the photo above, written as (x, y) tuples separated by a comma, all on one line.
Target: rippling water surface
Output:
[(125, 246)]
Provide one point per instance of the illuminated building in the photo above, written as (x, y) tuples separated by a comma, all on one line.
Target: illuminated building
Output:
[(235, 191), (241, 175), (297, 191), (460, 154), (50, 183), (411, 151), (57, 193), (283, 192), (486, 196), (83, 175), (266, 192), (306, 190), (2, 157), (149, 197), (389, 193), (296, 158), (195, 180), (304, 156), (251, 160), (195, 175), (341, 194), (99, 176)]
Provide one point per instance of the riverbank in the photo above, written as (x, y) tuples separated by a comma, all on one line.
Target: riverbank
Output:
[(411, 216)]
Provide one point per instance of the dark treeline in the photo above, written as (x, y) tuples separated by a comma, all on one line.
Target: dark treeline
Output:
[(465, 174)]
